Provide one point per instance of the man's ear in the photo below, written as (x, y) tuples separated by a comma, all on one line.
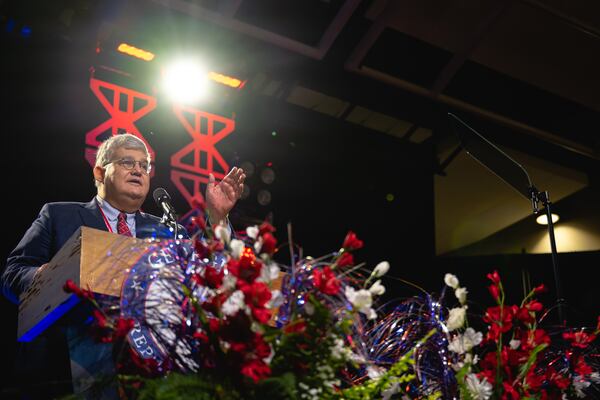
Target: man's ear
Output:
[(99, 173)]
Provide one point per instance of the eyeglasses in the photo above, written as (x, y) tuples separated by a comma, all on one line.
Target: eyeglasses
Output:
[(129, 164)]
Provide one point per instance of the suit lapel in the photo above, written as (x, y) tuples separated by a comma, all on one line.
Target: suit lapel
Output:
[(92, 216)]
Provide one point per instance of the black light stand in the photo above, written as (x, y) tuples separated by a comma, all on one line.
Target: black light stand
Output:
[(544, 198)]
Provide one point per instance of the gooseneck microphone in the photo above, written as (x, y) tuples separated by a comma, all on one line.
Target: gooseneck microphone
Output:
[(163, 200)]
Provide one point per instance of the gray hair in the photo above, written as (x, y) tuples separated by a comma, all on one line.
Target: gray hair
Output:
[(107, 149)]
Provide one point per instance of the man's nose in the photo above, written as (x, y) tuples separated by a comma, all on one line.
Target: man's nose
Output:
[(137, 169)]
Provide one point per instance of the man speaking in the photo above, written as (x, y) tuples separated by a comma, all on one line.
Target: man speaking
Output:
[(122, 178)]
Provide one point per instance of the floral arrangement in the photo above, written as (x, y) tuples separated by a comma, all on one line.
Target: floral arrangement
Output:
[(230, 323), (516, 359)]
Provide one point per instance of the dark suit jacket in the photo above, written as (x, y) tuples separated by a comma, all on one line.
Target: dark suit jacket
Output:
[(45, 362), (55, 224)]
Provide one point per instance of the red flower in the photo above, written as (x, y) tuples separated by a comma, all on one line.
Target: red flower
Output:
[(488, 374), (500, 319), (256, 370), (122, 327), (202, 250), (579, 339), (533, 380), (295, 327), (494, 291), (71, 287), (213, 278), (200, 336), (326, 281), (556, 379), (494, 277), (509, 392), (256, 296), (261, 348), (534, 306), (148, 366), (533, 338), (269, 243), (527, 312), (247, 268), (265, 227), (100, 318), (345, 260), (582, 368), (214, 325), (352, 242), (261, 314), (540, 289)]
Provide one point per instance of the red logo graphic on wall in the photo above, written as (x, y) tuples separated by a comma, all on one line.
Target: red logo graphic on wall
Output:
[(192, 164), (125, 106), (199, 158)]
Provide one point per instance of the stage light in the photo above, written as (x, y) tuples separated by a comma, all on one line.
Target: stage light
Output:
[(263, 197), (267, 175), (135, 52), (185, 81), (226, 80), (543, 219), (248, 168)]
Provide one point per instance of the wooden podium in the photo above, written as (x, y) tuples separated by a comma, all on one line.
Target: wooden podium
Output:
[(92, 259)]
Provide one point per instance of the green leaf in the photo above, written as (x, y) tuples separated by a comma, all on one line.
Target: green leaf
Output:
[(531, 360)]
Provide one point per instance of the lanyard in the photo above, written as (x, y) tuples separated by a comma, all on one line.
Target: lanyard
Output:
[(105, 219)]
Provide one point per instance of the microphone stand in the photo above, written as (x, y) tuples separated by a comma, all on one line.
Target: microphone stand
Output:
[(511, 172), (169, 220), (544, 198)]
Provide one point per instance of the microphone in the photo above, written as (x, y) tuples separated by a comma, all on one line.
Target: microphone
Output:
[(163, 200)]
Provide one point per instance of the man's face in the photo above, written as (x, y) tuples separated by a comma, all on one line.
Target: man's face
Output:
[(121, 183)]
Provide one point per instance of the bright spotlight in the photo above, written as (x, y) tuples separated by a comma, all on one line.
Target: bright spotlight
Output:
[(543, 219), (185, 81)]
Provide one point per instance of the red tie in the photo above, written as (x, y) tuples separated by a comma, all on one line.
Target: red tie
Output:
[(122, 228)]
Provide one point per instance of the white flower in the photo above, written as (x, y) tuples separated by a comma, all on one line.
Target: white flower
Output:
[(478, 389), (375, 371), (461, 294), (514, 344), (579, 384), (252, 231), (258, 245), (237, 247), (381, 269), (451, 280), (222, 233), (456, 318), (465, 342), (339, 351), (594, 377), (377, 288), (370, 313), (269, 272), (362, 300), (229, 282), (468, 359), (233, 303)]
